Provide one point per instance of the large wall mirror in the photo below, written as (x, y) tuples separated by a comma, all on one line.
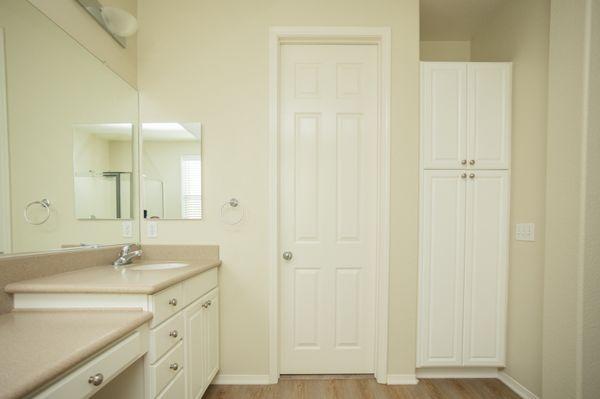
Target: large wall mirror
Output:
[(172, 170), (67, 138)]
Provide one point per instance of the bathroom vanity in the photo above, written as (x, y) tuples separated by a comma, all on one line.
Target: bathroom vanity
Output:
[(180, 342)]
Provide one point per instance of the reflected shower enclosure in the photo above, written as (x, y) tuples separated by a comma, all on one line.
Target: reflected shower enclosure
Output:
[(102, 160)]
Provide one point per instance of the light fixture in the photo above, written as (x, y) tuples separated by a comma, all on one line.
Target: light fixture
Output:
[(117, 22)]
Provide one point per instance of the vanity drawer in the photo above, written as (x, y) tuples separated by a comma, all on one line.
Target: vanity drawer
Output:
[(175, 390), (199, 285), (166, 369), (165, 336), (166, 303), (104, 367)]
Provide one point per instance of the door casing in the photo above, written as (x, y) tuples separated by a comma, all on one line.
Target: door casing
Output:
[(380, 36), (5, 211)]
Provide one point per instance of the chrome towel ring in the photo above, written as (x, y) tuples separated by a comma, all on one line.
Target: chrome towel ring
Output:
[(43, 203), (230, 205)]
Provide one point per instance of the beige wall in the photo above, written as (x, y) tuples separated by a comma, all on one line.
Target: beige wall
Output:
[(518, 32), (208, 61), (71, 17), (571, 214), (49, 81), (445, 51)]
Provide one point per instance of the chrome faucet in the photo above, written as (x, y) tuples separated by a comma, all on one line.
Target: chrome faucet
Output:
[(126, 255)]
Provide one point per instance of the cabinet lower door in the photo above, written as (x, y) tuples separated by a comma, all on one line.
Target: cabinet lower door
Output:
[(202, 343), (486, 268), (212, 337), (441, 276)]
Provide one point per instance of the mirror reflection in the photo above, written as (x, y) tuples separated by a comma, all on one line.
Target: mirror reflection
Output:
[(172, 170), (66, 129), (102, 160)]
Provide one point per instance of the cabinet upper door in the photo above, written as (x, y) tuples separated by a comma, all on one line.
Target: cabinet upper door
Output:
[(442, 241), (443, 115), (488, 115), (486, 268)]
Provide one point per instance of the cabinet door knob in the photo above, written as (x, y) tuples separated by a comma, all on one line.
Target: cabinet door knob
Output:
[(463, 162), (472, 176), (174, 334), (472, 162), (287, 255), (174, 366), (463, 175), (96, 379), (173, 301)]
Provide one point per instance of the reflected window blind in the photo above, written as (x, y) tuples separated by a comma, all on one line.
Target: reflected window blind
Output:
[(191, 187)]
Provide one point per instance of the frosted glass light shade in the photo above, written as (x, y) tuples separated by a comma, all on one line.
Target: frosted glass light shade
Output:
[(119, 21)]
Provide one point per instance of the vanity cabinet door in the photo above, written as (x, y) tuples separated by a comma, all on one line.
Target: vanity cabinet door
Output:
[(212, 336), (201, 343)]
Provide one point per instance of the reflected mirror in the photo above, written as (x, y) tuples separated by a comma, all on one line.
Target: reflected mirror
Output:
[(172, 170), (102, 168), (66, 128)]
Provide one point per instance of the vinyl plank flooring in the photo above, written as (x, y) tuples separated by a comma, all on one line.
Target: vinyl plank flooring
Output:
[(362, 387)]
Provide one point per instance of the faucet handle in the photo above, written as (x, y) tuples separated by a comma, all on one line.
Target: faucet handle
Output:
[(126, 249)]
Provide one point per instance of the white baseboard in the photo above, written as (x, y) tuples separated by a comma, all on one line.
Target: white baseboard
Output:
[(402, 379), (516, 386), (241, 379), (457, 372)]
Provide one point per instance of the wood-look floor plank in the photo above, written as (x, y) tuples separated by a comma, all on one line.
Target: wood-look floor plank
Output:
[(364, 388)]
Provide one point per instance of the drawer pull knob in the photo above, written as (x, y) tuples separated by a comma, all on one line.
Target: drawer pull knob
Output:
[(174, 366), (206, 304), (173, 301), (463, 162), (174, 334), (472, 162), (472, 176), (96, 379)]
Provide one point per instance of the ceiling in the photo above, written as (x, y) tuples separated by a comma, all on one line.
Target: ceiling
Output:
[(459, 20)]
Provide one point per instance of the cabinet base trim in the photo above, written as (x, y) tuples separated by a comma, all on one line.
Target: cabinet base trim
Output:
[(402, 379), (458, 372), (516, 386), (241, 379)]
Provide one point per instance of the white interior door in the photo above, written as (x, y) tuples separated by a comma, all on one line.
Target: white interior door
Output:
[(328, 211), (443, 115), (441, 277), (5, 219), (486, 266), (489, 114)]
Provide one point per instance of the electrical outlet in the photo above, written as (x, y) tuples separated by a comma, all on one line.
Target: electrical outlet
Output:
[(127, 228), (152, 229), (525, 232)]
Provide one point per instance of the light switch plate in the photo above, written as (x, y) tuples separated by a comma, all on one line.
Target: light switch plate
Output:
[(525, 232), (127, 228), (152, 229)]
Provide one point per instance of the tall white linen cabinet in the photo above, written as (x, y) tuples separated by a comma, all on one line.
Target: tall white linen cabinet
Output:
[(464, 213)]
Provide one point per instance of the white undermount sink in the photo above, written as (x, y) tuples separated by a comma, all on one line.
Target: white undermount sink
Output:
[(160, 266)]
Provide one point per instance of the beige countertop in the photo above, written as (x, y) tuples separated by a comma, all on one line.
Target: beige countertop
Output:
[(108, 279), (38, 346)]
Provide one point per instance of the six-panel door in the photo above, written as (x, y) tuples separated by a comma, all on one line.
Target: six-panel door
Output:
[(442, 268), (486, 267), (328, 197)]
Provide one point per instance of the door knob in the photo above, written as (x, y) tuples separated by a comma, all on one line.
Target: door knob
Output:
[(287, 255)]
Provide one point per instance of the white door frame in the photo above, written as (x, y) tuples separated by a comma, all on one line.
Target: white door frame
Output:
[(331, 35), (5, 214)]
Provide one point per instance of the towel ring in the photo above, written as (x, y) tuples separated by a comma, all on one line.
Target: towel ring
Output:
[(231, 204), (43, 203)]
